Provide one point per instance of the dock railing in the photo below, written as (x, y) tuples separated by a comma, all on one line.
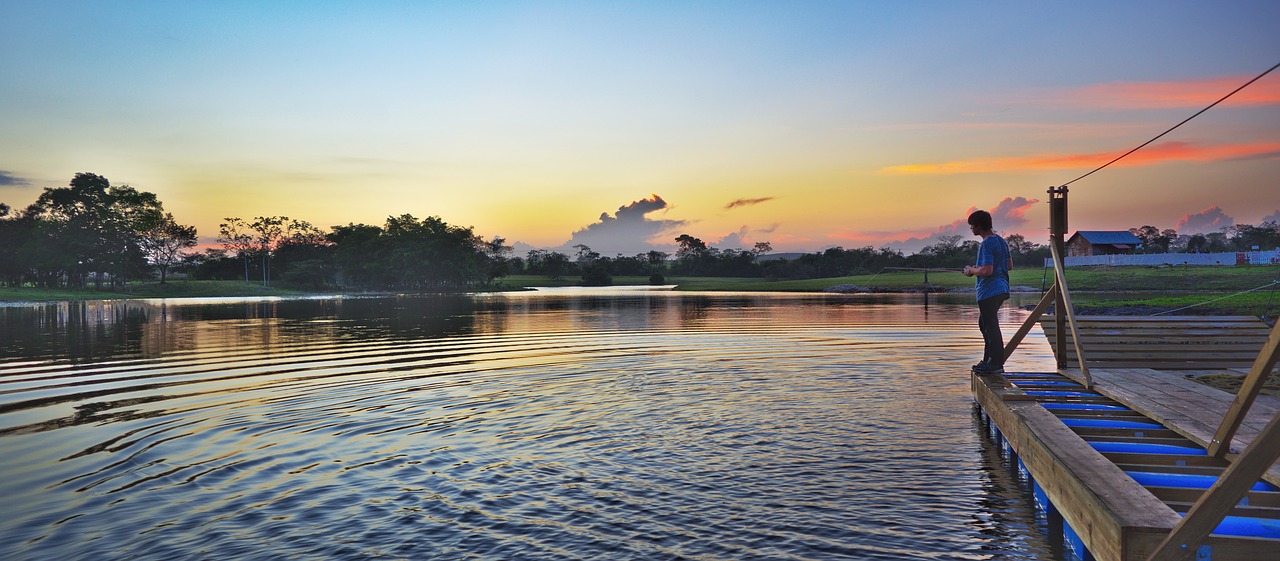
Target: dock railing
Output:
[(1183, 542)]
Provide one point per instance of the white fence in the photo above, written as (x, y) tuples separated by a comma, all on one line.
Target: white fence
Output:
[(1269, 257)]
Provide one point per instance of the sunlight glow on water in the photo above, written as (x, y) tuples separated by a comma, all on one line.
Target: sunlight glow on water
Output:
[(555, 425)]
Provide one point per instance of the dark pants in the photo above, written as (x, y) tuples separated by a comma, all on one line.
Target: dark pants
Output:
[(989, 325)]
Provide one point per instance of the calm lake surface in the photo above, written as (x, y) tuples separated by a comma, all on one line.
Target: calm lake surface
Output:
[(558, 424)]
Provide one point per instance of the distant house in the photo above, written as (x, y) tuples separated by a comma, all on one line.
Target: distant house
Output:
[(1084, 243)]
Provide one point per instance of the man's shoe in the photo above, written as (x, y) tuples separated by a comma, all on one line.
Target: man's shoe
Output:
[(981, 364), (988, 368)]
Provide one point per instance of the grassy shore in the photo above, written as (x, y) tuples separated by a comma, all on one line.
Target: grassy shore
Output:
[(1094, 289), (171, 289)]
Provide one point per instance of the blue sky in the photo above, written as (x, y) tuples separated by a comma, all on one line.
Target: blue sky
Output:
[(530, 119)]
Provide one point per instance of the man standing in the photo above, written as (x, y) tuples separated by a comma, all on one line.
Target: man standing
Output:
[(992, 272)]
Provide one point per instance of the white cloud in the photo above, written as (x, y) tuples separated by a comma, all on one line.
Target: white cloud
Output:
[(629, 231), (1209, 220)]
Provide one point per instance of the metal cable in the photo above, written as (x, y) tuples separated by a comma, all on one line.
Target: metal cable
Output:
[(1184, 121), (1270, 284)]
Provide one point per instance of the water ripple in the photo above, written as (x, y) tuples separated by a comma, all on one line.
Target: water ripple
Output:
[(545, 428)]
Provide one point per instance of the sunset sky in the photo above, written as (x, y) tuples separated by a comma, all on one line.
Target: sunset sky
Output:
[(624, 124)]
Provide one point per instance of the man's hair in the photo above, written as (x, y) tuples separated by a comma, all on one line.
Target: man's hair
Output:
[(981, 219)]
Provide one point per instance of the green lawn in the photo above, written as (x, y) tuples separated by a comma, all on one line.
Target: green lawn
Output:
[(1079, 279), (1092, 287)]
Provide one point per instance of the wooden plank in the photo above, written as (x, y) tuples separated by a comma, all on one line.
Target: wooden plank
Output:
[(1162, 397), (1207, 357), (1186, 347), (1130, 433), (1166, 459), (1212, 471), (1249, 390), (1031, 321), (1171, 339), (1222, 496), (1216, 320), (1117, 518), (1184, 494), (1068, 310), (1176, 341), (1250, 511)]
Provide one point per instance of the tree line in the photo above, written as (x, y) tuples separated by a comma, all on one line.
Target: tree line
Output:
[(1240, 237), (92, 232), (89, 232)]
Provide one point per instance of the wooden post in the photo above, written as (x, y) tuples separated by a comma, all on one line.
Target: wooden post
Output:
[(1185, 538), (1057, 231), (1066, 310), (1248, 392), (1049, 297)]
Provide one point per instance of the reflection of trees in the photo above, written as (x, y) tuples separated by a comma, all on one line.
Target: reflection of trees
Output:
[(87, 331), (76, 331)]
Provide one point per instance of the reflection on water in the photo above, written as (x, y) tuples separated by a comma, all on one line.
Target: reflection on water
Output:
[(622, 424)]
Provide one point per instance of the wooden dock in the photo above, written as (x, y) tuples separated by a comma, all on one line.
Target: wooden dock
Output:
[(1087, 436)]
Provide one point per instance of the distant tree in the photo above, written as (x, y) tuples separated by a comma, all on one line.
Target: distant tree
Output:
[(693, 256), (497, 250), (1197, 243), (1244, 237), (304, 256), (584, 254), (432, 254), (595, 272), (1217, 242), (657, 260), (361, 255), (15, 234), (1155, 240), (235, 236), (762, 248), (1018, 244), (689, 246), (163, 243), (269, 232)]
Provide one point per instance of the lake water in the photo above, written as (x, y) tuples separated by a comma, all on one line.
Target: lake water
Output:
[(558, 424)]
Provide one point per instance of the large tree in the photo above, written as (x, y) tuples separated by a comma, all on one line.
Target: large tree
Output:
[(94, 227)]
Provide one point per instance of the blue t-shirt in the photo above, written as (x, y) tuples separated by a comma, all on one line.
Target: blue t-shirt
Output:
[(995, 252)]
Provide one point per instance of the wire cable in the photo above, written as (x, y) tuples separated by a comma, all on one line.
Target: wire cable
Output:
[(1270, 284), (1184, 121)]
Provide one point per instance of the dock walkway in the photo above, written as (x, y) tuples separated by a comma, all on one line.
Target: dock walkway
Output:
[(1189, 408), (1120, 451)]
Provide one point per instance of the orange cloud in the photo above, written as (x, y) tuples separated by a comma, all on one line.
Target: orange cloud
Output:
[(1009, 215), (1154, 154), (1165, 95)]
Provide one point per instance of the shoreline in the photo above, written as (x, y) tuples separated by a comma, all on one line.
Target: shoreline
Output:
[(1086, 308)]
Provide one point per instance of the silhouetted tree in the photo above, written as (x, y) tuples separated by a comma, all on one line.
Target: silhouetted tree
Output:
[(234, 235), (496, 250), (269, 231), (91, 226), (163, 243)]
